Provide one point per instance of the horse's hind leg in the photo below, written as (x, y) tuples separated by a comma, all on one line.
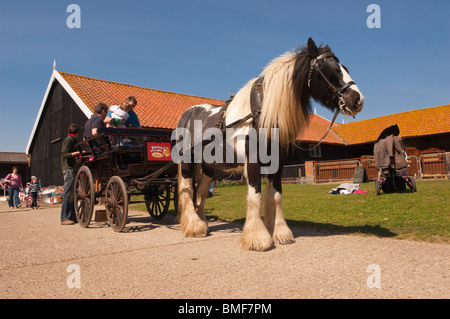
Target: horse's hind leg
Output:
[(202, 190), (274, 217), (191, 224), (254, 234)]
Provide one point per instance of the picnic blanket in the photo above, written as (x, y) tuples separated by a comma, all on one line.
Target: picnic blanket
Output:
[(347, 188)]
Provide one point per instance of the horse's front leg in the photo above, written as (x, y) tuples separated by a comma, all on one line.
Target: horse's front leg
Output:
[(255, 235), (273, 212)]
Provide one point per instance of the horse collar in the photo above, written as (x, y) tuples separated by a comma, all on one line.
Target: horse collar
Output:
[(256, 99)]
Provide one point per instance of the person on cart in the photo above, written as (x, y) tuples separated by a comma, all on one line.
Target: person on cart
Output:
[(97, 121), (133, 119)]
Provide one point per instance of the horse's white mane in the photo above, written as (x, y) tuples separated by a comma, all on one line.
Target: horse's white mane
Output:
[(280, 108)]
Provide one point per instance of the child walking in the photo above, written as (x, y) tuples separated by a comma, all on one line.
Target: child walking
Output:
[(35, 188)]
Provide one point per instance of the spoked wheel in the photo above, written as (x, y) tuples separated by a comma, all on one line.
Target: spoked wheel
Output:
[(157, 200), (412, 184), (84, 196), (116, 203), (378, 187)]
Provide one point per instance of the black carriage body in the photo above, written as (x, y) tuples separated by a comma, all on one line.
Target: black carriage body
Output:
[(126, 153), (119, 162)]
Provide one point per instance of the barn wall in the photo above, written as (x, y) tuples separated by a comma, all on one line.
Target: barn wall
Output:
[(327, 152), (422, 143), (59, 112)]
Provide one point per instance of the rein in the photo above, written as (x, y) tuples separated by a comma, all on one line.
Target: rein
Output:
[(323, 137)]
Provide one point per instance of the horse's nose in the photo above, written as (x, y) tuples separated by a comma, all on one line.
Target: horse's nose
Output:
[(359, 103)]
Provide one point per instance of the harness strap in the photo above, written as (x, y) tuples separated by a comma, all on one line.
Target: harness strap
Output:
[(256, 98)]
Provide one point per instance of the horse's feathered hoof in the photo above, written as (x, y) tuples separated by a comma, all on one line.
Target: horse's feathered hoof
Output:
[(193, 226), (256, 237), (283, 236), (197, 229)]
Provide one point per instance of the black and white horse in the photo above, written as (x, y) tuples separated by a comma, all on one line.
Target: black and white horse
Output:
[(264, 117)]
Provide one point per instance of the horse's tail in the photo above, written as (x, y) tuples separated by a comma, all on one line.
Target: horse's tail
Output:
[(182, 188), (179, 208)]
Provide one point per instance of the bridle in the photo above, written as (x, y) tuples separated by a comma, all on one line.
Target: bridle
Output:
[(336, 91), (257, 97)]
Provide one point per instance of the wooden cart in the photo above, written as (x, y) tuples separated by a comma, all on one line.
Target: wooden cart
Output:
[(119, 163)]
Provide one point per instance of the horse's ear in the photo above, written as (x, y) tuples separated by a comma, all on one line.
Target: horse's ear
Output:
[(312, 48)]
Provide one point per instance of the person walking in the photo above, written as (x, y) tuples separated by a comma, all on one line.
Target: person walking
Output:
[(35, 188), (14, 183), (68, 158)]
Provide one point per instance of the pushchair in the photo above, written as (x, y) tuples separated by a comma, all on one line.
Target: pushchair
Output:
[(391, 163)]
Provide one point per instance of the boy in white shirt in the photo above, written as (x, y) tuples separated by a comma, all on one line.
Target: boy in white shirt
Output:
[(120, 112)]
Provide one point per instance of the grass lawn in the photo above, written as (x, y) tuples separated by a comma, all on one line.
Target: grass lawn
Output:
[(424, 215)]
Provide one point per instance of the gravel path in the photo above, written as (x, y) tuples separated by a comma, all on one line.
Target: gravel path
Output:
[(153, 260)]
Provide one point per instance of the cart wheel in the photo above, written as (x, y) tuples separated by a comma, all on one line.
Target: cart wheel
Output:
[(378, 187), (157, 200), (412, 184), (84, 196), (116, 203)]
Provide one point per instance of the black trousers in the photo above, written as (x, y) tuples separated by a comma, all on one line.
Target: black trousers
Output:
[(34, 196)]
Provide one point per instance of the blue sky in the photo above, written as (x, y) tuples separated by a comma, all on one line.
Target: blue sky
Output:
[(208, 48)]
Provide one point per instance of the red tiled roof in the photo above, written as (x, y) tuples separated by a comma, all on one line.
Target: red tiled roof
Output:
[(162, 109), (155, 108), (317, 128), (433, 120)]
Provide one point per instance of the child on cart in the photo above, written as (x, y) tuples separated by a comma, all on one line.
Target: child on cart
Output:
[(119, 114)]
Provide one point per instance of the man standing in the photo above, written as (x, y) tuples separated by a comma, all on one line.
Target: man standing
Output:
[(68, 154)]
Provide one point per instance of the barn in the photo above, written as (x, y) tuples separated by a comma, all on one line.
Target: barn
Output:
[(71, 98), (423, 130), (426, 133)]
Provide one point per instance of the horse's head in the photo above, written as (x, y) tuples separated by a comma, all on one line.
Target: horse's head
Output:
[(330, 83)]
